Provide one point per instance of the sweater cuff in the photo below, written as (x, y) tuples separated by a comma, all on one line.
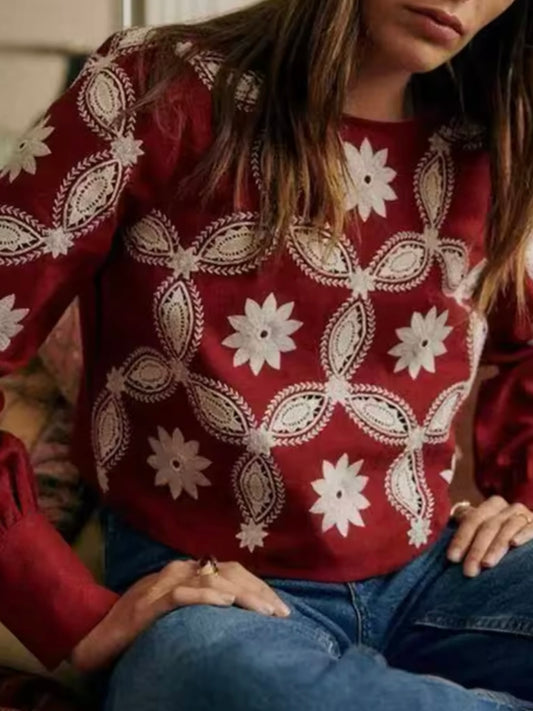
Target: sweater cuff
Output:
[(48, 598)]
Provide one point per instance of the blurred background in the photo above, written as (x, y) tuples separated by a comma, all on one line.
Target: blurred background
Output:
[(43, 43)]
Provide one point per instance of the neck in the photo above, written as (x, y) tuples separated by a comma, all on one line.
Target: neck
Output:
[(379, 95)]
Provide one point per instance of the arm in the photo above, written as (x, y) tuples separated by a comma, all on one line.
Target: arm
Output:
[(504, 414), (61, 198), (503, 446)]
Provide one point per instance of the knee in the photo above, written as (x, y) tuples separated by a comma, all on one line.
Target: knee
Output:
[(192, 659)]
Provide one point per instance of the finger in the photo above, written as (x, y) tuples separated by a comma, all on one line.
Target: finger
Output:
[(483, 539), (244, 597), (469, 524), (184, 596), (523, 536), (502, 542), (239, 575), (171, 576)]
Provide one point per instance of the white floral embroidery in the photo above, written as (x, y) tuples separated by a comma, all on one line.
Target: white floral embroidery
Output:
[(57, 242), (361, 282), (98, 62), (31, 146), (439, 144), (177, 463), (421, 342), (416, 439), (116, 382), (448, 474), (262, 334), (180, 371), (260, 441), (259, 491), (252, 535), (419, 532), (110, 430), (184, 262), (370, 179), (338, 390), (431, 238), (341, 500), (298, 413), (9, 321), (127, 150)]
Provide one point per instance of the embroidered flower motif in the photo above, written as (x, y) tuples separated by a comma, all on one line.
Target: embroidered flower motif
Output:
[(116, 382), (57, 242), (9, 321), (183, 262), (179, 371), (432, 239), (98, 63), (341, 500), (439, 144), (421, 342), (361, 282), (416, 439), (178, 464), (419, 532), (338, 390), (252, 536), (127, 150), (261, 441), (31, 146), (262, 334), (368, 188)]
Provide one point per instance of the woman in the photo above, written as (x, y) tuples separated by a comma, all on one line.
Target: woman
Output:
[(285, 226)]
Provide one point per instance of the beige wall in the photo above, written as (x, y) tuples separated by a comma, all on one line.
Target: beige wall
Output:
[(29, 82)]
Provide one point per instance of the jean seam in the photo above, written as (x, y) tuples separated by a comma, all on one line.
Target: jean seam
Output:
[(515, 625), (362, 631)]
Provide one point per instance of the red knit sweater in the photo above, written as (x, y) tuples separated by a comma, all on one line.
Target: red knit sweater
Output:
[(294, 414)]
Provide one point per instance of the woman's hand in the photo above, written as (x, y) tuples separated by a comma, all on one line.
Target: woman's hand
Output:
[(177, 585), (487, 532)]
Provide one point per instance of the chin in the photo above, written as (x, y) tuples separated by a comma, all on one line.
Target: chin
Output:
[(415, 56)]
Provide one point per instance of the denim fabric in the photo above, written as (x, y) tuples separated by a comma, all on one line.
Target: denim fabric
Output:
[(423, 638)]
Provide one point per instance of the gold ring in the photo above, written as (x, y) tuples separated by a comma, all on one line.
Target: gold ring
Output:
[(529, 519), (207, 565), (461, 507)]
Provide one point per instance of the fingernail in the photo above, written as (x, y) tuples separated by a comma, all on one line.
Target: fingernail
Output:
[(455, 555), (472, 571), (268, 610), (284, 611), (229, 599), (489, 562), (517, 541)]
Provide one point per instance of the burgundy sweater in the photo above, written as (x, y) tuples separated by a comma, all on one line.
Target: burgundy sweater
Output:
[(293, 413)]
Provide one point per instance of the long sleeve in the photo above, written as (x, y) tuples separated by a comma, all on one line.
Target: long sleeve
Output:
[(504, 415), (62, 196)]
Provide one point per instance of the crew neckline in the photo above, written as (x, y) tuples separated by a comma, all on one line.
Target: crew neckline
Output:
[(422, 119)]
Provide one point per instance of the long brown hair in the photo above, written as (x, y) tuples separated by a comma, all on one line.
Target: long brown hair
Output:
[(305, 52)]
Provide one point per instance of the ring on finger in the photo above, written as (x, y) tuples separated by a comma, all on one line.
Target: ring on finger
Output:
[(459, 509), (208, 565), (528, 519)]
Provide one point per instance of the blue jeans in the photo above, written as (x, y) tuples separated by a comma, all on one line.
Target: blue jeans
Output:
[(423, 638)]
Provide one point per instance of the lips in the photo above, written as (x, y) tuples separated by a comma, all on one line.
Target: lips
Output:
[(441, 17)]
